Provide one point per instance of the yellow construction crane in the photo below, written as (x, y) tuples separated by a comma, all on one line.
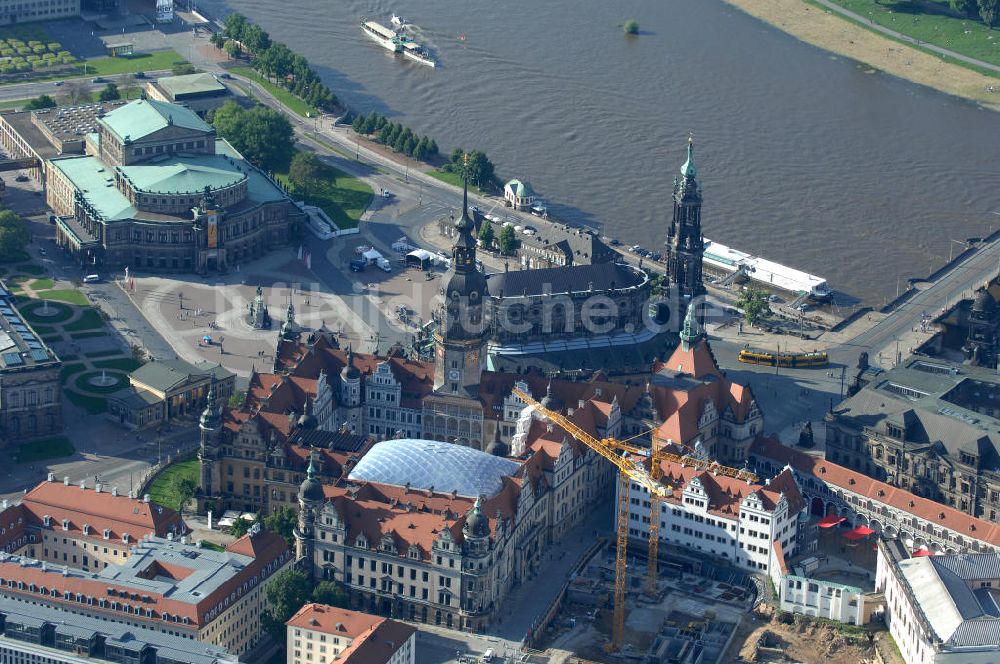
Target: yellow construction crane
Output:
[(612, 449)]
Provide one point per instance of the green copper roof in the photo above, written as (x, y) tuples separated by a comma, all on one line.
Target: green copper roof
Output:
[(519, 188), (97, 183), (178, 174), (144, 117), (688, 170), (188, 84)]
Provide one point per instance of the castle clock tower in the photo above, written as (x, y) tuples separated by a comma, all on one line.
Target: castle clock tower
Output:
[(685, 243), (460, 339)]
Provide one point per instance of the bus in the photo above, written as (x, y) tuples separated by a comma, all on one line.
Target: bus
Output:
[(789, 360)]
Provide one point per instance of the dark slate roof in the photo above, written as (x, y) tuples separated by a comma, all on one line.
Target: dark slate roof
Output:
[(569, 279), (331, 440), (581, 246)]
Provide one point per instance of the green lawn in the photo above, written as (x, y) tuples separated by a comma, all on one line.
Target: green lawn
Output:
[(162, 490), (212, 546), (121, 363), (108, 66), (93, 405), (30, 268), (102, 353), (65, 295), (343, 197), (89, 319), (39, 450), (278, 92), (41, 284), (966, 36), (453, 178), (68, 370), (83, 385)]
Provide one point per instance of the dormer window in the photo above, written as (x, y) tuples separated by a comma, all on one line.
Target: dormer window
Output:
[(125, 538), (107, 533), (65, 524), (47, 521), (86, 529)]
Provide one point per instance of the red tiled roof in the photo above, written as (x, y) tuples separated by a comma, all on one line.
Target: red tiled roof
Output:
[(374, 640), (120, 513), (696, 360), (880, 492), (334, 620)]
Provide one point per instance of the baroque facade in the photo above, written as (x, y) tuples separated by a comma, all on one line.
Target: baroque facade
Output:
[(928, 427), (158, 190)]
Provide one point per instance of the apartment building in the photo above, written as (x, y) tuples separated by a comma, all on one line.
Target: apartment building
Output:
[(320, 634)]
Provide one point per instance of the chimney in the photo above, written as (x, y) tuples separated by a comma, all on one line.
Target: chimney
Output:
[(114, 491), (580, 403), (3, 504), (83, 485), (145, 498), (97, 487), (52, 477), (65, 480)]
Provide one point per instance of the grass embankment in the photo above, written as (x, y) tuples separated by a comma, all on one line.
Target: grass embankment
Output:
[(48, 448), (821, 27), (163, 489), (343, 197), (454, 179), (281, 94), (963, 35)]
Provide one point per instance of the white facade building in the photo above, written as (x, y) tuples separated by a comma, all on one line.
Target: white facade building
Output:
[(941, 609), (321, 634), (721, 516)]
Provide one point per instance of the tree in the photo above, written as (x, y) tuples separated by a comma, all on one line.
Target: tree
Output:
[(753, 301), (282, 522), (331, 594), (287, 592), (77, 92), (185, 488), (14, 236), (241, 527), (486, 235), (43, 101), (507, 241), (967, 7), (305, 171), (234, 25), (218, 40), (110, 93), (232, 49), (631, 27), (264, 136), (255, 39), (236, 398), (989, 10)]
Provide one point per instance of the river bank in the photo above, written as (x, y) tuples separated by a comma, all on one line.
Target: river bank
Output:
[(840, 35)]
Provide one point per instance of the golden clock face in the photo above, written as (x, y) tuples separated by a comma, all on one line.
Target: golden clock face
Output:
[(472, 357), (440, 352)]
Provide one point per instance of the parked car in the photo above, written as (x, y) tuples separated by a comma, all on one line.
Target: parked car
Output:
[(97, 79), (21, 177), (615, 242), (140, 74), (92, 279), (358, 265), (58, 83)]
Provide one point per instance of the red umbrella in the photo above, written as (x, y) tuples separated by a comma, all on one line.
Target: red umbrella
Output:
[(853, 535), (864, 530), (921, 552), (831, 520)]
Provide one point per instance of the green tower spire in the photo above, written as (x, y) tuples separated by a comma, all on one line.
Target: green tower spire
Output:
[(688, 169)]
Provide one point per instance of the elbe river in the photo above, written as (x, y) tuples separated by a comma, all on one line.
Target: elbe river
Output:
[(805, 158)]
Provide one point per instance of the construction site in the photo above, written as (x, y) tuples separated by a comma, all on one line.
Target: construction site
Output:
[(691, 617)]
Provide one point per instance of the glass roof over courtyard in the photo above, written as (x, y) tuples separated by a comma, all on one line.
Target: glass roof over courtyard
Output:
[(425, 464)]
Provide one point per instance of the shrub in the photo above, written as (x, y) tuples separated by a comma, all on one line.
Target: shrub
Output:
[(631, 27), (6, 52), (54, 46), (63, 54), (34, 58), (39, 49)]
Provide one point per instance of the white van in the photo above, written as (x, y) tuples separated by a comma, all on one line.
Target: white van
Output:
[(384, 264), (92, 279)]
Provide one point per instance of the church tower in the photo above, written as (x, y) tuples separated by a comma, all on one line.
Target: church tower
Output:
[(685, 244), (210, 428), (460, 339), (311, 499)]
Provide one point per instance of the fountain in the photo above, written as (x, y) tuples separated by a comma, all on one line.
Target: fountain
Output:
[(47, 311), (104, 380)]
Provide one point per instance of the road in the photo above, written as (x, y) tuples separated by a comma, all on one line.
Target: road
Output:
[(18, 91)]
